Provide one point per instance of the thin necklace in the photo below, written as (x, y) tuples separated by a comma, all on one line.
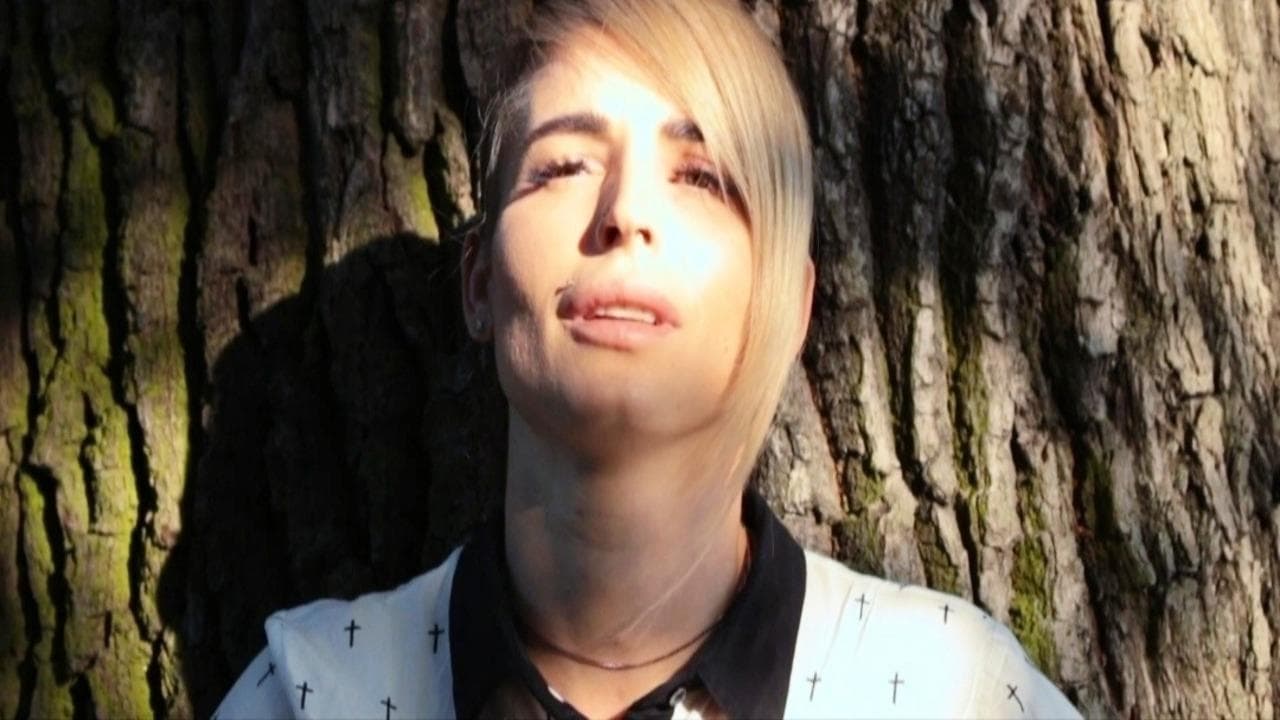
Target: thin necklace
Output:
[(620, 666)]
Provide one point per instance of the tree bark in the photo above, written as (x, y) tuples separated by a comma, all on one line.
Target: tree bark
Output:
[(1043, 371)]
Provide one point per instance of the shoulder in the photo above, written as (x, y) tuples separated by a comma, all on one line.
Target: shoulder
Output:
[(900, 650), (847, 596), (332, 658), (314, 620)]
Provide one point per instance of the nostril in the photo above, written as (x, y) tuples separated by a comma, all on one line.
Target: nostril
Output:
[(611, 233)]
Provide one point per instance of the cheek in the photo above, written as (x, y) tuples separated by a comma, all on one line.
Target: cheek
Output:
[(518, 339), (518, 289), (535, 245), (713, 265), (718, 272), (523, 290), (522, 269)]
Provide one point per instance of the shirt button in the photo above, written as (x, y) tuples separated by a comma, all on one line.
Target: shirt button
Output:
[(677, 697)]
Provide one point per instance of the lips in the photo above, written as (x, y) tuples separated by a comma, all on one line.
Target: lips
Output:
[(624, 312), (619, 316)]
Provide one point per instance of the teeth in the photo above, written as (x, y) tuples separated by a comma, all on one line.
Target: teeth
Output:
[(626, 313)]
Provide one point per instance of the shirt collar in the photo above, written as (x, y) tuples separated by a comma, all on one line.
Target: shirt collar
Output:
[(745, 664)]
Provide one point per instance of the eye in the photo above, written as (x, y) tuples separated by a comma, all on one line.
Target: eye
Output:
[(555, 169), (705, 177)]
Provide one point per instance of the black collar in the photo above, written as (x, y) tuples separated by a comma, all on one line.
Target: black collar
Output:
[(745, 664)]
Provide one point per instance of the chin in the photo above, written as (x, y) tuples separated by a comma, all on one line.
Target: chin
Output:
[(602, 414), (598, 397)]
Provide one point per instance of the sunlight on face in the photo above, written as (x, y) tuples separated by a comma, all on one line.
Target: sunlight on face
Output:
[(620, 264)]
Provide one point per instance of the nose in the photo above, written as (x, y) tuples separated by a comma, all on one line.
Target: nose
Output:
[(626, 215)]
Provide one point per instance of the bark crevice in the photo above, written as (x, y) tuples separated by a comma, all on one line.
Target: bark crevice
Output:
[(309, 165), (10, 185), (32, 631), (56, 584)]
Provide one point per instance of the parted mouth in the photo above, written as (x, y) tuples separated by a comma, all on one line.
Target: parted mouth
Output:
[(624, 312), (624, 302)]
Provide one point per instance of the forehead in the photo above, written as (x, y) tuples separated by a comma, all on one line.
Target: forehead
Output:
[(590, 80)]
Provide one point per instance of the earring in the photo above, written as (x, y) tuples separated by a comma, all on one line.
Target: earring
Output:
[(479, 325)]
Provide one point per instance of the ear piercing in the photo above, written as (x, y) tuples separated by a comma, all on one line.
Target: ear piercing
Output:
[(479, 325)]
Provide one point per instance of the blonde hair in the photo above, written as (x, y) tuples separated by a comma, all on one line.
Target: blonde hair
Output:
[(711, 60)]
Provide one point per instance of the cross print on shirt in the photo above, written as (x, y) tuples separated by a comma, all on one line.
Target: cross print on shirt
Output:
[(390, 707), (895, 682), (351, 632), (862, 604), (303, 687), (1013, 695), (813, 684), (435, 634), (271, 670), (946, 610)]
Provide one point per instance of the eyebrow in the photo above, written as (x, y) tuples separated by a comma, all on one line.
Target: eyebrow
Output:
[(682, 129), (596, 125)]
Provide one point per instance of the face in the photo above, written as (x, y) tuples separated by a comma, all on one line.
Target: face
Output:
[(618, 276)]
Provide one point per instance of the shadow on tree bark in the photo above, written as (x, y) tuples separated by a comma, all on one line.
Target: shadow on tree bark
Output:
[(356, 435)]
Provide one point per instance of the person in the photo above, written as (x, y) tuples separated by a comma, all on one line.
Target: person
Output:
[(642, 272)]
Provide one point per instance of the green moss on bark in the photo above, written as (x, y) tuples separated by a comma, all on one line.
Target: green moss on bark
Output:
[(858, 537), (968, 405), (82, 441), (1109, 549), (100, 111), (939, 570), (424, 220), (83, 209), (860, 543), (49, 699), (119, 686), (1031, 608)]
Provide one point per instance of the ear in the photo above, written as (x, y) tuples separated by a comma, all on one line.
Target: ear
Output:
[(476, 265), (805, 310)]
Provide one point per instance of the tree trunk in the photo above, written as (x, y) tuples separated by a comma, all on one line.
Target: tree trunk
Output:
[(1043, 372)]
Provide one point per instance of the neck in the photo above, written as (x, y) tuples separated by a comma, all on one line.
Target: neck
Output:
[(619, 560)]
